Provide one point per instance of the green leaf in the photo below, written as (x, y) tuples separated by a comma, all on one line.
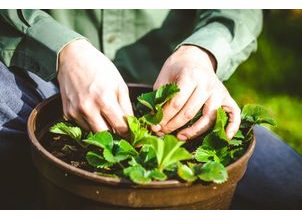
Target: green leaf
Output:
[(113, 151), (168, 150), (158, 175), (224, 155), (239, 135), (235, 153), (203, 155), (221, 121), (148, 99), (235, 142), (121, 150), (108, 155), (137, 130), (165, 93), (173, 152), (178, 155), (137, 174), (155, 100), (158, 146), (256, 114), (147, 157), (212, 171), (126, 148), (158, 97), (186, 173), (97, 160), (102, 139), (156, 118), (213, 141), (67, 129)]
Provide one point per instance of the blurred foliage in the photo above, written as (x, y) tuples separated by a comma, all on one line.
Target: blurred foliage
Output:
[(273, 75)]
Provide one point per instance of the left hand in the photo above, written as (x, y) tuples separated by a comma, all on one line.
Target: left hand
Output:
[(192, 69)]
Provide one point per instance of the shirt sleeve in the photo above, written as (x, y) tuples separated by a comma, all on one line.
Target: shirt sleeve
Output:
[(229, 35), (32, 40)]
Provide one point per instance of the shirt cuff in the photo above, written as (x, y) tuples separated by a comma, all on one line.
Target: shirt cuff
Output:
[(43, 43), (216, 39)]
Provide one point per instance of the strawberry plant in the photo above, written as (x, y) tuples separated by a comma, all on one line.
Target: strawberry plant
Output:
[(144, 157)]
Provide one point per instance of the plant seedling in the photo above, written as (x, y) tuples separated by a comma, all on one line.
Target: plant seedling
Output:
[(144, 157)]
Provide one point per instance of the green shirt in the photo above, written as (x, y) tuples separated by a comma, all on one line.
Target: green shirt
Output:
[(137, 41)]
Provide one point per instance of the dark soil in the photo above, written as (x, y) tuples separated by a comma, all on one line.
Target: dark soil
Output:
[(66, 149)]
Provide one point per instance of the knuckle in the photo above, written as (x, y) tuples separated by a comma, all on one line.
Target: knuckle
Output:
[(96, 126), (83, 107), (71, 113), (205, 109), (212, 116), (188, 115), (108, 110), (186, 70), (176, 104), (190, 133), (169, 128), (166, 129), (106, 99)]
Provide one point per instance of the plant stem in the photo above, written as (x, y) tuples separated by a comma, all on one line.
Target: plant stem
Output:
[(121, 165), (248, 134), (80, 143)]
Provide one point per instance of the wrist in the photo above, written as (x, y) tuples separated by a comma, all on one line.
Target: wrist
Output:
[(70, 50), (205, 55)]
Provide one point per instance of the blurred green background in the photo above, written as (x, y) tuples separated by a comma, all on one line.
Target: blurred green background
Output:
[(273, 75)]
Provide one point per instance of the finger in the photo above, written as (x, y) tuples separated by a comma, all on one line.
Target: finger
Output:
[(162, 79), (77, 117), (125, 102), (205, 122), (114, 115), (190, 109), (234, 118), (171, 108), (95, 120), (64, 105), (90, 112)]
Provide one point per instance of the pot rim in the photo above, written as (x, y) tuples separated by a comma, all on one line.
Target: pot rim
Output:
[(69, 169)]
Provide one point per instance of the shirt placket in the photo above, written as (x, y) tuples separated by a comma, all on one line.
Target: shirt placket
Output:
[(118, 30), (112, 26)]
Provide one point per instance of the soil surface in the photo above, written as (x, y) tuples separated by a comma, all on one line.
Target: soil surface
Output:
[(66, 149)]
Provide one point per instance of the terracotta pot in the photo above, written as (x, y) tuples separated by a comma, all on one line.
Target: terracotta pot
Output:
[(67, 187)]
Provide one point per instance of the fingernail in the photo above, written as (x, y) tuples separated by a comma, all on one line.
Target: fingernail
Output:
[(156, 128), (182, 137)]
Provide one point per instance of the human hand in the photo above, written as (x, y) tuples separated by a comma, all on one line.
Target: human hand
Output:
[(191, 68), (92, 90)]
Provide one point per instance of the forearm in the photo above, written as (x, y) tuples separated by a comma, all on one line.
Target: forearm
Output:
[(32, 40), (229, 35)]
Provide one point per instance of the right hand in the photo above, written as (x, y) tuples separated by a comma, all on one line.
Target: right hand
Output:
[(92, 90)]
